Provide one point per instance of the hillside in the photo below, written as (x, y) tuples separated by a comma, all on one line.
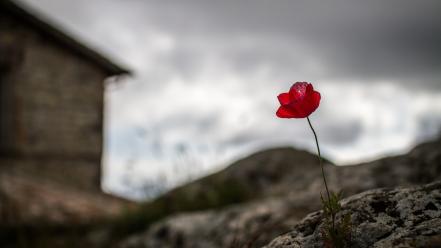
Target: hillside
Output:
[(261, 175), (278, 187)]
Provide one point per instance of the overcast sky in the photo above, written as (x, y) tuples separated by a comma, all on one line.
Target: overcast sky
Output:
[(207, 73)]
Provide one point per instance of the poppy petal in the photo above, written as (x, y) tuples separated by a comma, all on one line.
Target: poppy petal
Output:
[(298, 90), (284, 98), (309, 89), (315, 99), (285, 112), (309, 104), (299, 110)]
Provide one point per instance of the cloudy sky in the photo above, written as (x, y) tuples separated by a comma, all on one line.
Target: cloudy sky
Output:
[(207, 73)]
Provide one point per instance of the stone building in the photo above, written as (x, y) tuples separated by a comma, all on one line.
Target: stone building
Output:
[(51, 101)]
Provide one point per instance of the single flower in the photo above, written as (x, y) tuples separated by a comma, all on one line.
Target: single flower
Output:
[(299, 102)]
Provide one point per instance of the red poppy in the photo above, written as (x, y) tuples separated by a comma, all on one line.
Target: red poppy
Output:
[(299, 102)]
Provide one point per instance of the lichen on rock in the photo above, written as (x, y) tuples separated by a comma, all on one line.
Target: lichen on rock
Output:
[(400, 217)]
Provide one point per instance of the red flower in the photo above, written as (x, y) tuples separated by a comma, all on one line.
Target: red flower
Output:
[(299, 102)]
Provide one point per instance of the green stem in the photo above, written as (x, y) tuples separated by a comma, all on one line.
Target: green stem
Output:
[(323, 175), (320, 159)]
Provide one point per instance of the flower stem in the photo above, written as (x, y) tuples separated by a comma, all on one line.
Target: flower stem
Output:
[(320, 159)]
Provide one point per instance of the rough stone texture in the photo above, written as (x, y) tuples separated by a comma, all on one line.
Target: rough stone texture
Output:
[(287, 186), (51, 105), (243, 225), (403, 217)]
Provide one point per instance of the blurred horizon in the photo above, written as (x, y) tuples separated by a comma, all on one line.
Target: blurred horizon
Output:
[(207, 74)]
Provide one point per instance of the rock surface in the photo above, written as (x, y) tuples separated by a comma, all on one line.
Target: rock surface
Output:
[(403, 217), (286, 189), (246, 225)]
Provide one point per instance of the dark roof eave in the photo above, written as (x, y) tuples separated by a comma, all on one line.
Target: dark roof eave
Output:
[(37, 22)]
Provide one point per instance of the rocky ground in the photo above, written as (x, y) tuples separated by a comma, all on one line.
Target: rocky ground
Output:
[(25, 200), (381, 218), (286, 189), (35, 212)]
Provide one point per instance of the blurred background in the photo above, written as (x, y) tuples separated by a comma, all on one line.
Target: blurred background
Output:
[(139, 97), (206, 75)]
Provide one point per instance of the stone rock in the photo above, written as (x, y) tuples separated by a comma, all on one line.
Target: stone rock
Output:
[(400, 217), (284, 198), (252, 224)]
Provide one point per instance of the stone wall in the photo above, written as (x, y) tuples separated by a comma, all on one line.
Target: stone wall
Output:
[(51, 104)]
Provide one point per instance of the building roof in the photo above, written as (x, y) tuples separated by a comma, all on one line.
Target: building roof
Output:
[(38, 22)]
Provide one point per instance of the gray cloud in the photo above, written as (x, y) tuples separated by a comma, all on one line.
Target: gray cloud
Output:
[(358, 39), (363, 40)]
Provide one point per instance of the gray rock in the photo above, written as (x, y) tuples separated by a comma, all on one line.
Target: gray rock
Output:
[(401, 217), (287, 185), (252, 224)]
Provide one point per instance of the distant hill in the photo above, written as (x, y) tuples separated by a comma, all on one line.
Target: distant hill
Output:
[(263, 174)]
